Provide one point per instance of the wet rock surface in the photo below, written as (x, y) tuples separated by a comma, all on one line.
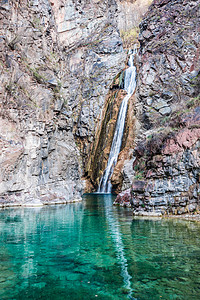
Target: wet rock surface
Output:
[(166, 159), (103, 140), (58, 59)]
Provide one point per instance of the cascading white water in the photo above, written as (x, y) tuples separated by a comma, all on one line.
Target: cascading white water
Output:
[(105, 185)]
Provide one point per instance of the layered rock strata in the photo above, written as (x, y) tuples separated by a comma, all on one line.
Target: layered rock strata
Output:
[(58, 59), (166, 161)]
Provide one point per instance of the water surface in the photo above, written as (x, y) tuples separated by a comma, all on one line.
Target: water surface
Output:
[(92, 250)]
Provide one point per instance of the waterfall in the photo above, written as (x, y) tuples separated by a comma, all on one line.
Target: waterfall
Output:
[(105, 185)]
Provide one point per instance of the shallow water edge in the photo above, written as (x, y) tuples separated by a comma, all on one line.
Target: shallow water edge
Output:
[(38, 203)]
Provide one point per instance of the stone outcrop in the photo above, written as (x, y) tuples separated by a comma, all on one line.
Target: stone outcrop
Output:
[(58, 59), (166, 161)]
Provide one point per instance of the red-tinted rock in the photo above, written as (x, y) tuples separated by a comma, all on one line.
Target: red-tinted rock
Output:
[(184, 139), (123, 198)]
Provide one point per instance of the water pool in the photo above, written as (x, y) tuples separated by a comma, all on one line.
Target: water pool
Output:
[(92, 250)]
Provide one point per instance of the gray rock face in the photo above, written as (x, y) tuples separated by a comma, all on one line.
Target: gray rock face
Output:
[(169, 165), (128, 173), (58, 59), (172, 184), (96, 57)]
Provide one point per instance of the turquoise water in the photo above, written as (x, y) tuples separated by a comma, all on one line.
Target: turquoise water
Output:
[(92, 250)]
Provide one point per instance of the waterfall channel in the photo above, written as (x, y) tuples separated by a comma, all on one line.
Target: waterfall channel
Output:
[(105, 185)]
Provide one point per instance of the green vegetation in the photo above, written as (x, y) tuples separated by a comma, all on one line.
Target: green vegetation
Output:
[(130, 36), (152, 93), (121, 78), (35, 72), (149, 137), (193, 102), (53, 60), (41, 79), (36, 23), (165, 120), (140, 170), (171, 23), (38, 77), (19, 92), (139, 175)]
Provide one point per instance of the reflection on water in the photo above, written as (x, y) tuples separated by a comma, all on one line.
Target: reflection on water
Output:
[(114, 227), (92, 249)]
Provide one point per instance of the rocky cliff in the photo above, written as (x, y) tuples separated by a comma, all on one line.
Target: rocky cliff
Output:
[(166, 160), (61, 73), (57, 61)]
